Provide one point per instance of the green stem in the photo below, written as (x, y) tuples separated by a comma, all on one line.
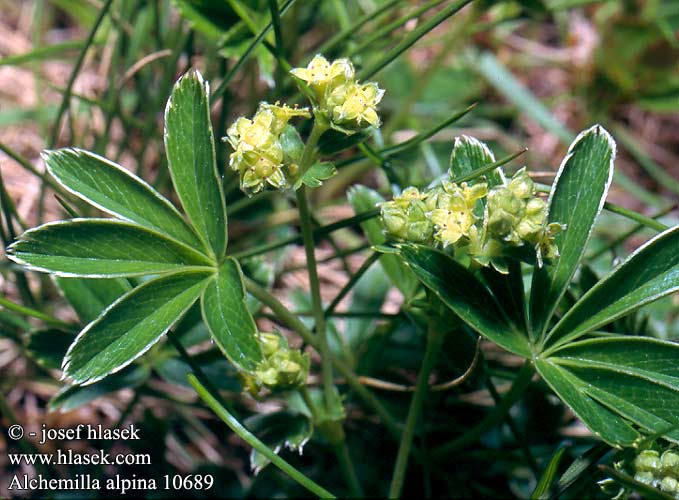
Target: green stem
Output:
[(435, 338), (635, 216), (316, 302), (340, 448), (321, 231), (519, 386), (252, 440), (295, 324), (195, 368), (374, 257), (310, 152), (27, 311), (622, 238), (348, 469)]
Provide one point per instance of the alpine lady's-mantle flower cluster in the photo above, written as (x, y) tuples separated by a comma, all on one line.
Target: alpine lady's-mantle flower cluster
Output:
[(266, 148), (268, 151), (338, 96), (485, 223)]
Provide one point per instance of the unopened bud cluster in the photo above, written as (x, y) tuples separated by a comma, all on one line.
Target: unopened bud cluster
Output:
[(658, 470), (268, 151), (283, 368), (482, 222)]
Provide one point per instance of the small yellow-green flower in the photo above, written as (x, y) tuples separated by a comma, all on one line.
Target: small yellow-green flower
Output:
[(454, 217), (338, 97), (354, 105), (321, 74), (258, 155), (545, 247)]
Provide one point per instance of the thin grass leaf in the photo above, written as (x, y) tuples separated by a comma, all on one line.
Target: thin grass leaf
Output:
[(541, 490), (411, 38), (468, 155)]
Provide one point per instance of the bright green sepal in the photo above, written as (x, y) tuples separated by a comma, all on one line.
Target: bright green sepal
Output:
[(649, 273), (131, 326), (228, 319), (316, 174), (190, 149), (465, 295), (115, 190), (101, 248), (576, 199)]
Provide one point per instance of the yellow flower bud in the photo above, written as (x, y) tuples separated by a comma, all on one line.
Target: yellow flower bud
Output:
[(405, 217), (647, 460), (521, 184)]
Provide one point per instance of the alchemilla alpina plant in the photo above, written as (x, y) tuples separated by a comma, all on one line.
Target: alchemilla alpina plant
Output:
[(481, 251)]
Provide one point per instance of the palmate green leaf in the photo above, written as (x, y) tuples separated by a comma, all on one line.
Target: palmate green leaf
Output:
[(190, 149), (648, 274), (132, 325), (459, 289), (115, 190), (612, 383), (470, 154), (98, 248), (90, 296), (576, 199), (228, 319)]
